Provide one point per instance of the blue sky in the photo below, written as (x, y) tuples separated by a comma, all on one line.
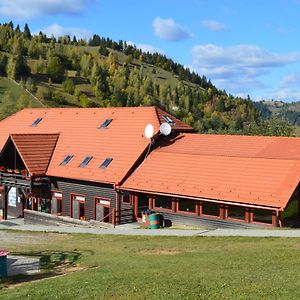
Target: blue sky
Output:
[(245, 47)]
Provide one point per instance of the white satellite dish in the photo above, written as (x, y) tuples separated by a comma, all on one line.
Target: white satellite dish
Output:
[(165, 129), (149, 131)]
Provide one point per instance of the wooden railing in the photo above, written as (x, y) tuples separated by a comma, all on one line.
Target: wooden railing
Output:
[(15, 179)]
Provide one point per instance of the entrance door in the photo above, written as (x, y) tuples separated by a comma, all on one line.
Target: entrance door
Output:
[(102, 210), (78, 207), (56, 203)]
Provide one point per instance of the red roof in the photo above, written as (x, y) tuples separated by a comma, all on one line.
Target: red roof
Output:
[(79, 135), (35, 150), (261, 171)]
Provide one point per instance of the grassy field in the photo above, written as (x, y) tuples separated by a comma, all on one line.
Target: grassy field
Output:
[(120, 267)]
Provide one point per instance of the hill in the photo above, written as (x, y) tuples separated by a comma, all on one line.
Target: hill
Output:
[(287, 111), (101, 72)]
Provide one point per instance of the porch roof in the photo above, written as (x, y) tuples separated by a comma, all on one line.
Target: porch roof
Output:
[(35, 150)]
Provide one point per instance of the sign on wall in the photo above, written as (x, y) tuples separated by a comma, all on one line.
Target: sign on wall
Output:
[(12, 197), (104, 202), (79, 198)]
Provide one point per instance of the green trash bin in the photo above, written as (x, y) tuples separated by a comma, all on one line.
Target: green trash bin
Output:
[(154, 221), (3, 264)]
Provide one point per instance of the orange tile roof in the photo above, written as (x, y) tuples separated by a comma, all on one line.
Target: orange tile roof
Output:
[(80, 135), (262, 171), (35, 150), (177, 125)]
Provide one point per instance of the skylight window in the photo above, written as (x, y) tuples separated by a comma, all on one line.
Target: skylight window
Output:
[(66, 160), (85, 161), (168, 119), (36, 122), (106, 123), (106, 163)]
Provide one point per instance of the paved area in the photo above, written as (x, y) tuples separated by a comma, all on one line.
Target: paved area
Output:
[(21, 265), (133, 229)]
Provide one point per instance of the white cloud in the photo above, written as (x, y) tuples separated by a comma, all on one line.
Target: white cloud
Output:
[(169, 30), (291, 80), (28, 9), (238, 68), (214, 25), (58, 30), (147, 47)]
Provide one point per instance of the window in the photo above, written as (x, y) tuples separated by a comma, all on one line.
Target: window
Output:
[(163, 202), (106, 123), (66, 160), (262, 215), (187, 205), (210, 208), (85, 161), (168, 119), (236, 212), (126, 197), (106, 163), (36, 122)]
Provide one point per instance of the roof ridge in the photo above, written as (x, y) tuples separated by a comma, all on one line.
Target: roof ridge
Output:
[(231, 156), (241, 135)]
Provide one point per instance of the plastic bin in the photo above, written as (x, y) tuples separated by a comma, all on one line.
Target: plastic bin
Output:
[(154, 221), (3, 263)]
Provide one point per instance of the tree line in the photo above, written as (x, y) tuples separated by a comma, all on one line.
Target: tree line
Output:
[(129, 81)]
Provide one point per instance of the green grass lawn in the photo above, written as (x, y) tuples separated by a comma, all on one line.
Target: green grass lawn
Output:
[(125, 267)]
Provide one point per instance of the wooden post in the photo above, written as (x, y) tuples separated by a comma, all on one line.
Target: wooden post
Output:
[(4, 203), (225, 212), (114, 217), (197, 208), (200, 208), (221, 212), (136, 205), (150, 202), (275, 218), (174, 205)]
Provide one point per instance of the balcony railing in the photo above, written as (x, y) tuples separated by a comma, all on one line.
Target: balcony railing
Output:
[(14, 179)]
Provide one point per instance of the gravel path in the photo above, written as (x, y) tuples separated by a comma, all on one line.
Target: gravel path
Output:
[(128, 229)]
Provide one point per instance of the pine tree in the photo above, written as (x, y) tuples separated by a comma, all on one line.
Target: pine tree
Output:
[(26, 32)]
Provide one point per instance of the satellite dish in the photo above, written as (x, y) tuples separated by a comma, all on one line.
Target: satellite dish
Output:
[(165, 129), (149, 131)]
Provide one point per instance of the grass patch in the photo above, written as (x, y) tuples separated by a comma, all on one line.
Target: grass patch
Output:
[(127, 267)]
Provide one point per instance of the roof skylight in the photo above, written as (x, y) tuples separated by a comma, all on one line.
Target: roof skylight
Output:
[(106, 123), (168, 119), (106, 163), (36, 122), (85, 161), (66, 160)]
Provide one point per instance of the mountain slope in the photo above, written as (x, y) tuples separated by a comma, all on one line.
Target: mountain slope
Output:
[(103, 73)]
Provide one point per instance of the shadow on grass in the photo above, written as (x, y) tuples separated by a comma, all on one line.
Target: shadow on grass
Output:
[(52, 263)]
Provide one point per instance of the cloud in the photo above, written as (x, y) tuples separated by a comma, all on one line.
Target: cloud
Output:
[(29, 9), (291, 80), (238, 67), (147, 47), (58, 30), (169, 30), (214, 25)]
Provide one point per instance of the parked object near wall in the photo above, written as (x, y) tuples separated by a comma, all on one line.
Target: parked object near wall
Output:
[(3, 263)]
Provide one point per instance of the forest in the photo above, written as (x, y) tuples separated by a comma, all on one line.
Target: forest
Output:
[(99, 72)]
